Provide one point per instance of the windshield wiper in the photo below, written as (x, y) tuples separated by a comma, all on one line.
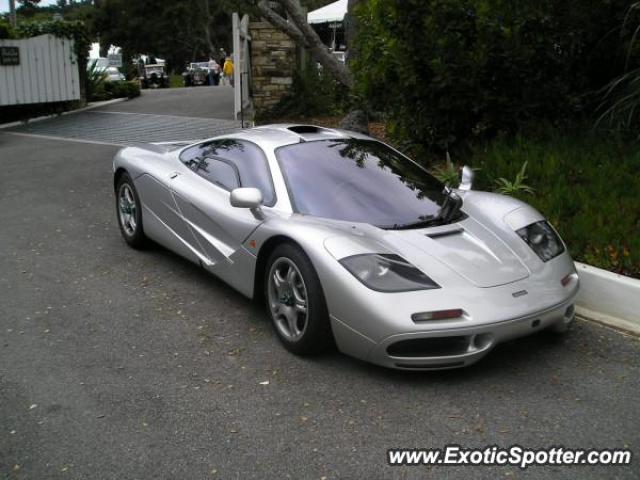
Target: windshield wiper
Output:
[(426, 221), (448, 213)]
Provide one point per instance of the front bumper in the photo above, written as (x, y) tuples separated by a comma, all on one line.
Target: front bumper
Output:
[(446, 348)]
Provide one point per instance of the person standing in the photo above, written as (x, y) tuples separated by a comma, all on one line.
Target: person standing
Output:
[(214, 72), (227, 70)]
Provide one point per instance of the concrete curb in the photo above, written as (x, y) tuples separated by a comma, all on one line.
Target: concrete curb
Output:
[(89, 106), (608, 298)]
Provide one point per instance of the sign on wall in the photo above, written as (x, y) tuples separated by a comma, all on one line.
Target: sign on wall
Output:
[(9, 56)]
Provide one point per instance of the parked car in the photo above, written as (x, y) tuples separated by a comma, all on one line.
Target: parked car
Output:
[(153, 76), (197, 73), (112, 74), (347, 240)]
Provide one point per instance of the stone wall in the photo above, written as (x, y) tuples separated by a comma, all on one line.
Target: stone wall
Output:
[(273, 62)]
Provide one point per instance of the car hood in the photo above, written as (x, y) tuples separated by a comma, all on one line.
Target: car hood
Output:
[(467, 248)]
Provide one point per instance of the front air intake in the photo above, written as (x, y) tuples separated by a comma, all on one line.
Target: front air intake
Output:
[(430, 347)]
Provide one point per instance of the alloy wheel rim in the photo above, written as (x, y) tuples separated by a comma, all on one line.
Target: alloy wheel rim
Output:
[(288, 299), (127, 209)]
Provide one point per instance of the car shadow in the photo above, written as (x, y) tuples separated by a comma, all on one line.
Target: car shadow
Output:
[(512, 358), (509, 358)]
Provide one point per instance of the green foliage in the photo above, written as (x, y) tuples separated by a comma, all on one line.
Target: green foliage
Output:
[(620, 105), (96, 77), (454, 71), (587, 185), (313, 93), (178, 32), (176, 81), (6, 30), (72, 30), (111, 90), (448, 174), (508, 187)]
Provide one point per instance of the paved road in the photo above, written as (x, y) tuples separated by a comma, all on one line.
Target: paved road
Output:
[(202, 102), (158, 115), (120, 364)]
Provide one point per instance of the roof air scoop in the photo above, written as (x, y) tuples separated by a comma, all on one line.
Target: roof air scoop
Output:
[(302, 129)]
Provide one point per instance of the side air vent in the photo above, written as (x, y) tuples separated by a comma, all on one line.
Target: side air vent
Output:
[(447, 233)]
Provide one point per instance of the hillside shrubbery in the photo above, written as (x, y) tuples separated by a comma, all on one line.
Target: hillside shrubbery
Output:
[(451, 72)]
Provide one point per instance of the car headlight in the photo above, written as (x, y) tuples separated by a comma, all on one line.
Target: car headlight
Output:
[(387, 273), (542, 239)]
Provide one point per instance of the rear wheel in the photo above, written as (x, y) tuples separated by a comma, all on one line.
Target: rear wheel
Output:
[(295, 302), (129, 212)]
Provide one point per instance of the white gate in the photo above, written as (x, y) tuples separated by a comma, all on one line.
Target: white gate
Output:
[(38, 70), (242, 67)]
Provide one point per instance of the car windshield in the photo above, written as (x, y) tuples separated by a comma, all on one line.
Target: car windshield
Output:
[(359, 181)]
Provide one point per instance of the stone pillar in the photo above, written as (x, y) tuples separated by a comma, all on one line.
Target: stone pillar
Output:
[(273, 63)]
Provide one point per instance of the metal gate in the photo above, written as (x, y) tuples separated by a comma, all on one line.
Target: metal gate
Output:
[(242, 66)]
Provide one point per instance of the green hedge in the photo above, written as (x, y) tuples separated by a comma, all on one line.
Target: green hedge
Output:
[(456, 71), (313, 93), (587, 185), (111, 90)]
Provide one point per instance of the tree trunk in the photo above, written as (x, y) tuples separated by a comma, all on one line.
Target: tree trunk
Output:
[(298, 29), (206, 23)]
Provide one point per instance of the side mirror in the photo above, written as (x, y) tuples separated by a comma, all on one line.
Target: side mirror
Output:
[(466, 182), (246, 198)]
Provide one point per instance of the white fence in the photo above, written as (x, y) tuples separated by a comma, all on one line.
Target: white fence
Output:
[(47, 71)]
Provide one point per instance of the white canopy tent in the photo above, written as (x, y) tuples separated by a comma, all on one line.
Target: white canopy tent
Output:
[(334, 12)]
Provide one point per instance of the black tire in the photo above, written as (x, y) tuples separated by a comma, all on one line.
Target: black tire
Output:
[(317, 336), (132, 232)]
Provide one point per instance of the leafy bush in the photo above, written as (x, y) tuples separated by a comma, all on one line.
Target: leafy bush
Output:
[(586, 185), (111, 90), (450, 71), (620, 106), (6, 30), (508, 187), (448, 174), (96, 77), (129, 89), (313, 92)]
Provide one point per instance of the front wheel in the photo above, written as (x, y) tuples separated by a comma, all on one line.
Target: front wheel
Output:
[(296, 303), (129, 212)]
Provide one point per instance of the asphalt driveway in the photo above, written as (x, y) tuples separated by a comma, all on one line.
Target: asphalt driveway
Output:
[(121, 364), (202, 102)]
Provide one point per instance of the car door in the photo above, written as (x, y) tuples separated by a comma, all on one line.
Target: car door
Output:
[(164, 218), (202, 195)]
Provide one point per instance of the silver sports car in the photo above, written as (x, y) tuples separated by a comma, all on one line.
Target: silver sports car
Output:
[(348, 241)]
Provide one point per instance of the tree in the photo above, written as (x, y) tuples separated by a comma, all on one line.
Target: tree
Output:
[(176, 31), (293, 22), (28, 7)]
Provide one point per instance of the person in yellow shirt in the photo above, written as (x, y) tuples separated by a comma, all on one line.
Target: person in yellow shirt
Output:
[(227, 70)]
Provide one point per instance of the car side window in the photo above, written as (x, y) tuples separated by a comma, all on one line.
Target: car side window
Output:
[(220, 173), (245, 159)]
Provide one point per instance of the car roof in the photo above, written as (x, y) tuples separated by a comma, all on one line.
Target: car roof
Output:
[(281, 134)]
